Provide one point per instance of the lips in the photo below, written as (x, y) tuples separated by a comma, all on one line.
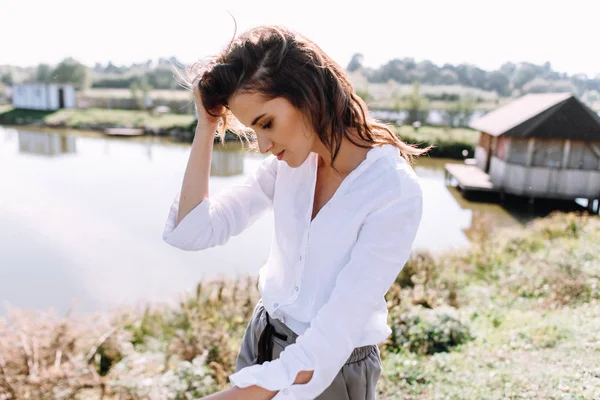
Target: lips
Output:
[(280, 154)]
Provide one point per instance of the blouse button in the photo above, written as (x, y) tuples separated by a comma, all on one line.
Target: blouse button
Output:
[(285, 391), (275, 305), (296, 288), (300, 257)]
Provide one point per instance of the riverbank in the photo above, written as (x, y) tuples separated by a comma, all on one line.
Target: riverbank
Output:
[(515, 316), (100, 119), (456, 143)]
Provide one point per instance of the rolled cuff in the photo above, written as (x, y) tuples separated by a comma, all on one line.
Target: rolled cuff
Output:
[(189, 233)]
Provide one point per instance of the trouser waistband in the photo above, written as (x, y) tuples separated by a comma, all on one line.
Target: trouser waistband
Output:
[(276, 328)]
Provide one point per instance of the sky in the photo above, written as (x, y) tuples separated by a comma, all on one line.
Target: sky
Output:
[(485, 33)]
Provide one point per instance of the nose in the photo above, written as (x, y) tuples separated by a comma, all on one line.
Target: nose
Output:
[(264, 144)]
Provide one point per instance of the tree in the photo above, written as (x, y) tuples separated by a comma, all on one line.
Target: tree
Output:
[(396, 101), (7, 79), (43, 73), (499, 82), (162, 78), (460, 112), (113, 69), (363, 94), (418, 106), (355, 62), (71, 71), (524, 73), (140, 90)]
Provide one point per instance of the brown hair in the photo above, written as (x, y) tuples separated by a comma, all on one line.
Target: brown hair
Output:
[(277, 62)]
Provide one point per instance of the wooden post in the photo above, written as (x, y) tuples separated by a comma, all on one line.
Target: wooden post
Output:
[(566, 154), (590, 205), (530, 150), (529, 163)]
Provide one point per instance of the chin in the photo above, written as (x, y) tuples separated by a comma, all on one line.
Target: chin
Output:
[(294, 162)]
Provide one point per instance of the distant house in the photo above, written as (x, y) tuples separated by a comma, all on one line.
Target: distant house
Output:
[(542, 145), (43, 96)]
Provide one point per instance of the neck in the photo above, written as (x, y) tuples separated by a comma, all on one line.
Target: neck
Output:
[(349, 157)]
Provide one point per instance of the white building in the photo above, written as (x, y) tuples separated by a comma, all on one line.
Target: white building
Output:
[(43, 96)]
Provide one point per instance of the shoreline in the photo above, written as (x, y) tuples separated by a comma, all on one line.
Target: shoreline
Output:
[(453, 143)]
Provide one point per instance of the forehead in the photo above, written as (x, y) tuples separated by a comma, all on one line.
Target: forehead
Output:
[(247, 106)]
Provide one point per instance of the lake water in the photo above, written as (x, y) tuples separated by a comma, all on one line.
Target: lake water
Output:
[(82, 215)]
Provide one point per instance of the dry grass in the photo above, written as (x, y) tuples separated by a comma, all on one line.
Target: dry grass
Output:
[(46, 357)]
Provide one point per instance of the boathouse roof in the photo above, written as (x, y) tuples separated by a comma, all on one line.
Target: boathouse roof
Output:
[(544, 116)]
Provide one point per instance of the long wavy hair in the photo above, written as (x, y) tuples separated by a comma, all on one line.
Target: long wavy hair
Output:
[(278, 62)]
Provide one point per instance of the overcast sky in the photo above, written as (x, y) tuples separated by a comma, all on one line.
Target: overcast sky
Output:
[(485, 33)]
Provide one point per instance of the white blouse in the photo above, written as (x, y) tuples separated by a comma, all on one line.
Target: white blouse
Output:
[(326, 279)]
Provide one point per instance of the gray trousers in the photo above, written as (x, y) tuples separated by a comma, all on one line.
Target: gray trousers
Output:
[(356, 380)]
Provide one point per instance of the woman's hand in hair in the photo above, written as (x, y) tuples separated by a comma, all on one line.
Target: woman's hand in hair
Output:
[(205, 119)]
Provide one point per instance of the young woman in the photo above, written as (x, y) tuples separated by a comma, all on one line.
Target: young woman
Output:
[(346, 207)]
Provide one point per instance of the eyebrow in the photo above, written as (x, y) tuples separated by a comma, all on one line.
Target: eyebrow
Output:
[(257, 119)]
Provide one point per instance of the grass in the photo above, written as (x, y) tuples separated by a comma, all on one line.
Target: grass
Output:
[(531, 355), (138, 119), (95, 119), (515, 317), (532, 299)]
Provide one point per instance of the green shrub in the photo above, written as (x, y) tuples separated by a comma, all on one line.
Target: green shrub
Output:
[(424, 331)]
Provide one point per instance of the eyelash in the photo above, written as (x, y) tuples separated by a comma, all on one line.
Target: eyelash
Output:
[(267, 125)]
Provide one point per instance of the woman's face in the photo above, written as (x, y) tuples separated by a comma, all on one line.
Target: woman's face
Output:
[(281, 129)]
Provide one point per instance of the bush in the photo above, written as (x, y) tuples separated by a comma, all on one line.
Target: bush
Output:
[(420, 268), (424, 331), (143, 375)]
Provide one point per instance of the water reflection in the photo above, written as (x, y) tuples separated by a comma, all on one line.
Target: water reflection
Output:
[(449, 220), (48, 144), (227, 162)]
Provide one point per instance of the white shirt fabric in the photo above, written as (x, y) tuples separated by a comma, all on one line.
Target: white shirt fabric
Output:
[(326, 279)]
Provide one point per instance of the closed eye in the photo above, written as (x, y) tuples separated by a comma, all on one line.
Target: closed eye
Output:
[(267, 125)]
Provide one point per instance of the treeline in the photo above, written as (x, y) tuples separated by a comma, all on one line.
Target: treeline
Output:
[(153, 74), (510, 79), (156, 74)]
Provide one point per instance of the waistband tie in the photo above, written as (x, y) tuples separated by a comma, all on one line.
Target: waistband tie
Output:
[(265, 342)]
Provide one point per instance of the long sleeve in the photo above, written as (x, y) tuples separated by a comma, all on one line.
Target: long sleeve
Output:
[(380, 252), (216, 219)]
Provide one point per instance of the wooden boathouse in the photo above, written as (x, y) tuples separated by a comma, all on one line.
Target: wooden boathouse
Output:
[(538, 146)]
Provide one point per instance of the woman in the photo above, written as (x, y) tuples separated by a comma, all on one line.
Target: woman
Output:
[(346, 207)]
